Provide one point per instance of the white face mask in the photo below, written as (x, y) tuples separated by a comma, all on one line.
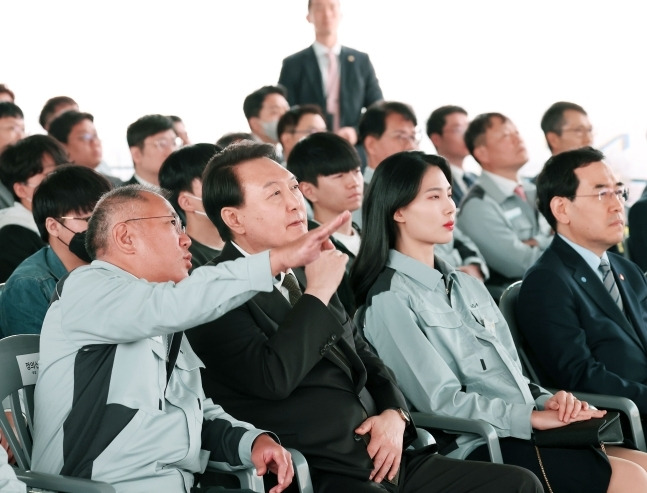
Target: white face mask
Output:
[(271, 129), (201, 213)]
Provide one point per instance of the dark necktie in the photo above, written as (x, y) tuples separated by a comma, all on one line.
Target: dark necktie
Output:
[(468, 179), (610, 282), (294, 290)]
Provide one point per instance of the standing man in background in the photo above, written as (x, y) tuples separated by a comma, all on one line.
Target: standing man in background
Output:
[(337, 78)]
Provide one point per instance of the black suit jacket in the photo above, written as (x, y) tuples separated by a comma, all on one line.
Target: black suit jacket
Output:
[(637, 241), (359, 87), (577, 335), (271, 364)]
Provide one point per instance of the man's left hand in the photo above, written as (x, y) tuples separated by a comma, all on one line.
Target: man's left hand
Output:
[(267, 454), (385, 447)]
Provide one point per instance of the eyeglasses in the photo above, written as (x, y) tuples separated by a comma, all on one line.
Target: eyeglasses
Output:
[(87, 137), (406, 138), (580, 131), (606, 194), (175, 221), (86, 219), (162, 144)]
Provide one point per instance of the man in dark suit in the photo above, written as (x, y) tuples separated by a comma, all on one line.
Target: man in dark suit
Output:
[(637, 241), (339, 79), (295, 359), (585, 322)]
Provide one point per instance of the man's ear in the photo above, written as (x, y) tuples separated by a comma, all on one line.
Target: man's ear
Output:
[(559, 208), (309, 191), (553, 140), (481, 154), (435, 140), (20, 189), (52, 226), (231, 217), (370, 141), (123, 238), (184, 201), (255, 125), (136, 154)]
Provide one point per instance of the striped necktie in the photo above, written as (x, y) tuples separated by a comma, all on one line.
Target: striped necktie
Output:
[(294, 290), (610, 282)]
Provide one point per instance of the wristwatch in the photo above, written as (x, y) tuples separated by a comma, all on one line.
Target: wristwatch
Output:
[(406, 417)]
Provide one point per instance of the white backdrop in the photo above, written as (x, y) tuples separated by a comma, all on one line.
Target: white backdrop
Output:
[(199, 59)]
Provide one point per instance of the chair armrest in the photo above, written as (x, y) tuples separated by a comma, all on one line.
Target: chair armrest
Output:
[(625, 406), (247, 477), (424, 439), (301, 471), (65, 484), (462, 425)]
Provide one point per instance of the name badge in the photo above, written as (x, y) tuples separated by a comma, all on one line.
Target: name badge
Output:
[(28, 364), (512, 213)]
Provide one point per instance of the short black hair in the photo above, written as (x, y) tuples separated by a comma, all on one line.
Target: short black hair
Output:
[(291, 118), (475, 133), (322, 154), (438, 118), (61, 126), (183, 166), (68, 188), (146, 126), (373, 121), (10, 110), (558, 178), (49, 109), (254, 102), (553, 120), (24, 159), (233, 137), (220, 185)]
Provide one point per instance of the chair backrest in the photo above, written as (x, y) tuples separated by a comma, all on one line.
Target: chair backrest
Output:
[(508, 307), (19, 356)]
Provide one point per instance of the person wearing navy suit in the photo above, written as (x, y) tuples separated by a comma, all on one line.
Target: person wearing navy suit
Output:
[(304, 74), (586, 327)]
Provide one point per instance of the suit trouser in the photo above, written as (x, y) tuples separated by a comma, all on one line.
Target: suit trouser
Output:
[(438, 474)]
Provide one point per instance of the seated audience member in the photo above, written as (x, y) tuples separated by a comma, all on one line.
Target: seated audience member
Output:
[(566, 127), (445, 128), (498, 212), (233, 137), (8, 481), (385, 128), (582, 310), (54, 107), (180, 129), (139, 419), (12, 129), (297, 123), (294, 363), (151, 140), (6, 94), (78, 135), (328, 170), (62, 206), (263, 108), (637, 241), (447, 343), (22, 167), (181, 175)]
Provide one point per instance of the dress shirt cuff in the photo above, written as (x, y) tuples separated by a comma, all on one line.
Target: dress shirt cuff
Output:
[(481, 265), (541, 400), (520, 426), (246, 442), (260, 271)]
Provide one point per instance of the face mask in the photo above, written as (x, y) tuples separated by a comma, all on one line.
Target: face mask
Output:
[(271, 129), (200, 213), (77, 245)]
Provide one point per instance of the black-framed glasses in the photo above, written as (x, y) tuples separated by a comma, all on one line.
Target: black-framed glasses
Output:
[(175, 221), (86, 219), (606, 194)]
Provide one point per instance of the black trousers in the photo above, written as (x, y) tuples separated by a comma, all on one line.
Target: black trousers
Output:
[(425, 473)]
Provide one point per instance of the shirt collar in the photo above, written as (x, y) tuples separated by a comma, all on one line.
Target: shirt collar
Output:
[(322, 51), (278, 279), (506, 186), (589, 257), (422, 273)]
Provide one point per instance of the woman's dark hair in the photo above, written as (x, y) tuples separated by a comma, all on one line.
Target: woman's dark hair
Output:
[(395, 184)]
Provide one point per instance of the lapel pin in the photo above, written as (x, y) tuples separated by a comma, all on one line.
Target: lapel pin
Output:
[(621, 276), (351, 58), (583, 279)]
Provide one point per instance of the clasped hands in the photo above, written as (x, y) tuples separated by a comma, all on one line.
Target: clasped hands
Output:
[(562, 409)]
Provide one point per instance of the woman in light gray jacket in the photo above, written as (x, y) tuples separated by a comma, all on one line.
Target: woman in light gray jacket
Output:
[(447, 342)]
